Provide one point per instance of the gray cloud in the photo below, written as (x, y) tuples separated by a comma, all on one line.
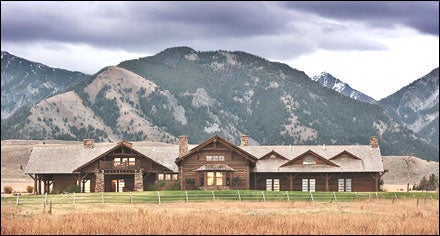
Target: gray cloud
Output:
[(422, 16), (269, 29)]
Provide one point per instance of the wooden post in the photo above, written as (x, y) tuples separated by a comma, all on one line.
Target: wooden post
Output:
[(158, 197), (102, 198), (74, 199), (186, 196), (239, 197), (311, 196), (288, 198), (45, 198), (213, 196), (334, 196), (377, 196), (17, 201), (264, 198), (131, 197), (291, 183)]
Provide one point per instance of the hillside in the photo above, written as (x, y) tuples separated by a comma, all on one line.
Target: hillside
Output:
[(182, 91), (24, 82), (417, 106)]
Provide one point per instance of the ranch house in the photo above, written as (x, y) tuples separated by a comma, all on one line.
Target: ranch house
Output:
[(214, 164)]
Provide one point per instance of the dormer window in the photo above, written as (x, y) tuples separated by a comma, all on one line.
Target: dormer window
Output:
[(309, 161), (272, 156), (215, 158)]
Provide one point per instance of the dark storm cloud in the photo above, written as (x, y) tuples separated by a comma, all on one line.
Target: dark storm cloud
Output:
[(422, 16), (270, 29)]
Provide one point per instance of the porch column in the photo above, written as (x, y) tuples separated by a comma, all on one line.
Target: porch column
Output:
[(99, 183), (138, 181)]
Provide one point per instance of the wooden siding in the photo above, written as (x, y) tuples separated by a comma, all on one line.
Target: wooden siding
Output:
[(361, 182), (198, 159)]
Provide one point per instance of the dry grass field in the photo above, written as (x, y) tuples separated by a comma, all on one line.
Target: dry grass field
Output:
[(410, 217)]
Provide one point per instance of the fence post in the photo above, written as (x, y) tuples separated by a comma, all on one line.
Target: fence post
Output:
[(158, 197), (102, 198), (334, 196), (74, 198), (239, 197), (311, 196), (288, 198), (377, 196), (17, 201), (395, 195), (45, 199), (50, 207), (213, 196), (264, 197), (430, 196), (131, 197), (186, 196)]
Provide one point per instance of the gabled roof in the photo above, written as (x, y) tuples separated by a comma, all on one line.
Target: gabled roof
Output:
[(225, 143), (309, 152), (269, 155), (118, 145), (370, 159), (62, 159), (345, 154)]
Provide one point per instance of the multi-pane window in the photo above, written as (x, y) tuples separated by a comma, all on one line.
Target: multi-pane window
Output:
[(272, 184), (308, 185), (344, 185), (214, 178), (215, 158), (167, 176)]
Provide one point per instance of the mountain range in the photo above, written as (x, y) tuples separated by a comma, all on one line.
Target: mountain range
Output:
[(183, 91)]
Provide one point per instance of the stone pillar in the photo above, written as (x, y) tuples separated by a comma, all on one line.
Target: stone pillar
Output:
[(138, 181), (373, 142), (99, 183), (183, 145), (244, 140)]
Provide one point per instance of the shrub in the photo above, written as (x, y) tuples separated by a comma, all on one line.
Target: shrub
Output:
[(166, 185), (8, 189), (30, 189)]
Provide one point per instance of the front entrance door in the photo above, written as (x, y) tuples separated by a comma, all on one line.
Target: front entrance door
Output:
[(118, 185)]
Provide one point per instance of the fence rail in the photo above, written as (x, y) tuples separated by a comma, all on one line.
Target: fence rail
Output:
[(203, 196)]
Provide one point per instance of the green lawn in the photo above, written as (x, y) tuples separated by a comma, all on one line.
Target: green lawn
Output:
[(200, 195)]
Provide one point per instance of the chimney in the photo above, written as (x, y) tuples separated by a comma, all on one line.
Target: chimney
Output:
[(89, 143), (244, 140), (183, 145), (373, 142)]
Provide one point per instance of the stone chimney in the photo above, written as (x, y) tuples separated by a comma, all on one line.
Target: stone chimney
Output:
[(244, 140), (89, 143), (183, 145), (373, 142)]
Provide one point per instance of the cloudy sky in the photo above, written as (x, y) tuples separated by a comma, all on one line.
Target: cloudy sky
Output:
[(376, 47)]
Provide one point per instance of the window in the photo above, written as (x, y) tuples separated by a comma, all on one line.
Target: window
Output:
[(344, 185), (215, 158), (131, 161), (308, 185), (214, 178), (86, 186), (117, 162), (175, 176), (272, 156), (202, 181), (210, 177), (167, 176), (160, 177), (272, 184), (309, 161), (218, 178)]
